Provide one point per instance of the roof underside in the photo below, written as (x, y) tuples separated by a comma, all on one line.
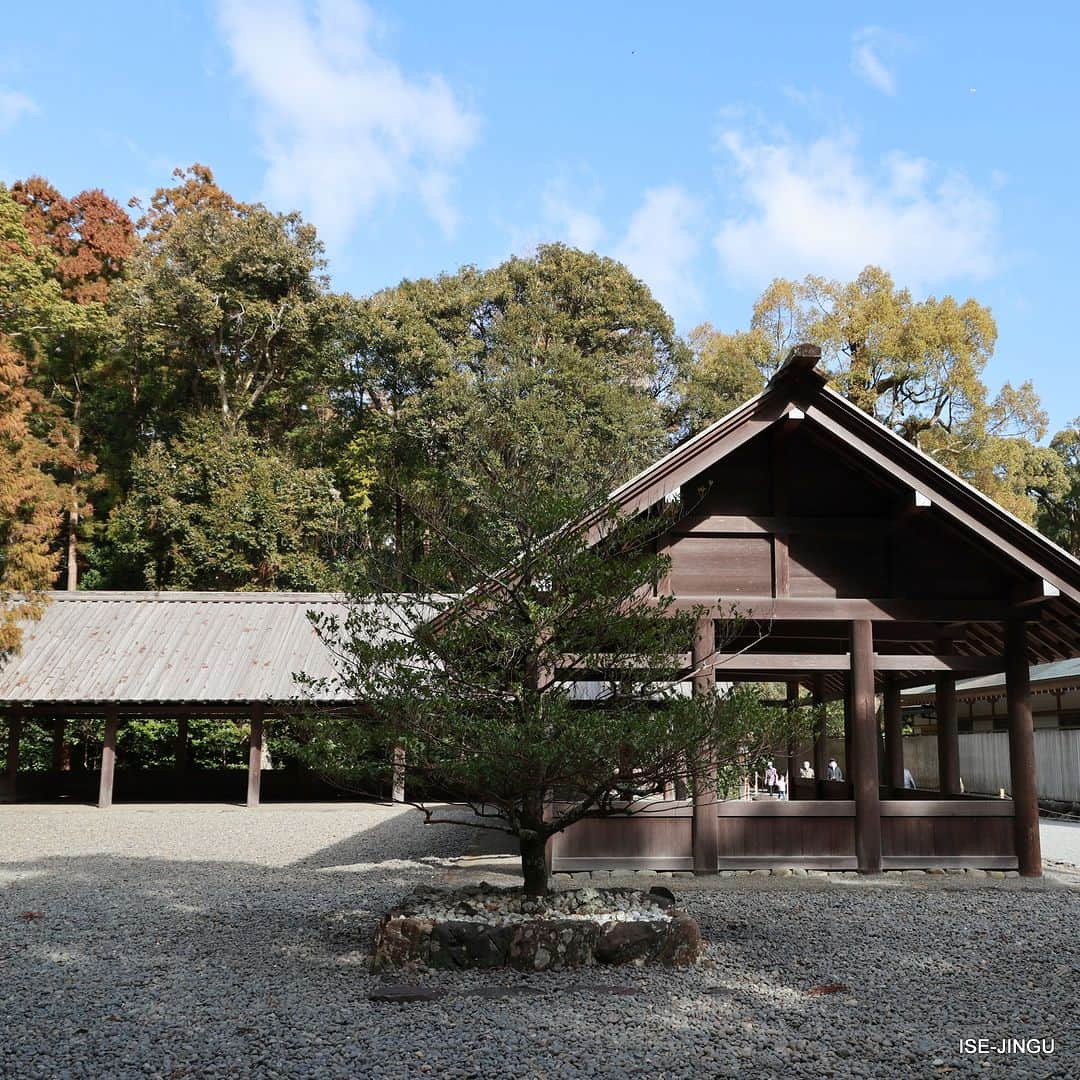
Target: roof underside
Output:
[(126, 648)]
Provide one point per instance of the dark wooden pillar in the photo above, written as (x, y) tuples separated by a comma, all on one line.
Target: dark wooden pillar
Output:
[(180, 745), (1022, 750), (793, 744), (60, 759), (11, 771), (864, 750), (108, 758), (255, 748), (948, 738), (894, 736), (705, 825), (821, 734), (847, 727), (397, 779)]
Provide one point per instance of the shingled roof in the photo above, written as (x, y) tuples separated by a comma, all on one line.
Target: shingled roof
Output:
[(171, 647)]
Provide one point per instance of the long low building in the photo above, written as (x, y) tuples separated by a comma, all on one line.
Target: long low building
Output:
[(168, 655), (983, 702)]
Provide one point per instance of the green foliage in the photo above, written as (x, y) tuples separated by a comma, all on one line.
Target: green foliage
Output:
[(226, 308), (727, 370), (562, 332), (217, 509), (917, 366), (1059, 494), (476, 700)]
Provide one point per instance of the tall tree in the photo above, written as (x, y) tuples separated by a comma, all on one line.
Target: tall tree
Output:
[(226, 308), (91, 238), (726, 370), (474, 699), (1059, 496), (32, 313), (217, 509), (917, 366), (578, 327)]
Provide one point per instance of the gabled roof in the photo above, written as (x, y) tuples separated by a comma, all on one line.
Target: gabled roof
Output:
[(799, 390), (171, 647)]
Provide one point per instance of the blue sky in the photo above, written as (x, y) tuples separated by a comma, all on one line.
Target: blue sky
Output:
[(711, 146)]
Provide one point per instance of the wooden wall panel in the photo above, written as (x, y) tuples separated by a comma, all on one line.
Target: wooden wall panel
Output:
[(721, 566), (740, 484), (838, 566)]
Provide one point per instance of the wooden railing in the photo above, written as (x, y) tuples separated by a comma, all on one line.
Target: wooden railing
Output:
[(808, 833)]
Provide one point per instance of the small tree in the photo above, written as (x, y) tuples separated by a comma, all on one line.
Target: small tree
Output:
[(555, 687)]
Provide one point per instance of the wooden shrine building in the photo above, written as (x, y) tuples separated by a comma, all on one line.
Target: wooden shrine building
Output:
[(175, 656), (864, 567)]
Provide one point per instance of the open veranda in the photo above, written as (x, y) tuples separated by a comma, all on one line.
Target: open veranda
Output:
[(205, 941)]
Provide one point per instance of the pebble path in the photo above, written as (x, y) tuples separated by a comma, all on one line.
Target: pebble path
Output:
[(208, 941)]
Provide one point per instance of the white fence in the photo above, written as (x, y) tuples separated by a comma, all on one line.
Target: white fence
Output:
[(984, 762)]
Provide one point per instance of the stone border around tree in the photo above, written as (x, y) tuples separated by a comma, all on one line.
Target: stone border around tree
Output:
[(410, 937)]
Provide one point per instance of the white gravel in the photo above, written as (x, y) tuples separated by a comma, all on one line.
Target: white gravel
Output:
[(191, 942)]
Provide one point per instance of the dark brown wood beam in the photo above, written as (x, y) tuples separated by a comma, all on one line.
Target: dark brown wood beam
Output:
[(778, 525), (864, 750), (894, 735), (829, 609), (11, 770), (948, 741), (108, 758), (1022, 751), (255, 748), (821, 748), (706, 829)]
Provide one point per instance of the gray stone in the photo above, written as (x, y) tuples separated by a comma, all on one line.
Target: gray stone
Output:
[(623, 942), (760, 872), (974, 871), (401, 994), (468, 945), (496, 992)]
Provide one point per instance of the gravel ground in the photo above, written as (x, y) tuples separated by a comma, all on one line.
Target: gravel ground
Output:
[(1060, 841), (217, 942)]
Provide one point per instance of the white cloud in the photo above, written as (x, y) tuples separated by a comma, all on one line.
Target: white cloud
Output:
[(569, 219), (343, 128), (820, 208), (14, 105), (866, 61), (661, 245)]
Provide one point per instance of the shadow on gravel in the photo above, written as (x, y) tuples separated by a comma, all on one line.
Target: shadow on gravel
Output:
[(174, 968)]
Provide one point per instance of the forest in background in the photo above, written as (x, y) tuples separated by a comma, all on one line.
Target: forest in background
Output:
[(186, 403)]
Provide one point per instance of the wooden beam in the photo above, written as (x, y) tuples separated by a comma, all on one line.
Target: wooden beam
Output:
[(778, 525), (830, 609), (792, 746), (948, 742), (108, 758), (180, 745), (706, 829), (894, 736), (60, 752), (255, 748), (821, 747), (11, 771), (1035, 592), (1022, 751), (970, 665), (864, 750)]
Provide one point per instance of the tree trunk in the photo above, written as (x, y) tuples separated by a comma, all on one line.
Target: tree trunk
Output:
[(534, 865)]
